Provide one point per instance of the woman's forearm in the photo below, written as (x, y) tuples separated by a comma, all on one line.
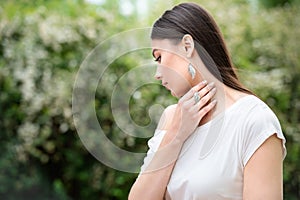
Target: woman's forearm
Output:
[(152, 182)]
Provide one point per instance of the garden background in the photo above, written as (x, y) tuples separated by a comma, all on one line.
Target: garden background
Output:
[(42, 45)]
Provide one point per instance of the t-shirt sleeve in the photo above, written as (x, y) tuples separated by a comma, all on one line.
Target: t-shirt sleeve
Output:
[(153, 144), (261, 124)]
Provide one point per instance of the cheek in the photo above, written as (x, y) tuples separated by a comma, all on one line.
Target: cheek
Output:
[(181, 75), (175, 72), (178, 76), (178, 65), (178, 81)]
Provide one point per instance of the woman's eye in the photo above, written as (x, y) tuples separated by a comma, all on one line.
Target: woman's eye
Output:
[(158, 59)]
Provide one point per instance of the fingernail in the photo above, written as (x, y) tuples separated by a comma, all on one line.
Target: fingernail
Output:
[(211, 84), (214, 102), (203, 82)]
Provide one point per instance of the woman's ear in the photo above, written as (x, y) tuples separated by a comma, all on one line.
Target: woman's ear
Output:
[(188, 44)]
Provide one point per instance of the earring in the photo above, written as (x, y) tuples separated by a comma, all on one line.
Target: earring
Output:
[(192, 70)]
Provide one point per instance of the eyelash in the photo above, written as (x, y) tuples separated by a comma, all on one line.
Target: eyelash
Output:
[(157, 59)]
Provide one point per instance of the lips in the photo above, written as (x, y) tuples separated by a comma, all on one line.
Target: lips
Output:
[(165, 85)]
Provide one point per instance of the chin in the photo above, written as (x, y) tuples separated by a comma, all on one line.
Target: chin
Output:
[(175, 94)]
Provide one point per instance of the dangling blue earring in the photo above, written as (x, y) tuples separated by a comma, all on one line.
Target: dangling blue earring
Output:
[(192, 70)]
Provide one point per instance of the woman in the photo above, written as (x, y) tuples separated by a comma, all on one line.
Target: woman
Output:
[(219, 141)]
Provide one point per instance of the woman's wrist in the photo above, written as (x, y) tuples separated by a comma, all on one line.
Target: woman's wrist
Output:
[(176, 136)]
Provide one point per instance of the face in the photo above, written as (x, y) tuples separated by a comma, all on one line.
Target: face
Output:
[(172, 68)]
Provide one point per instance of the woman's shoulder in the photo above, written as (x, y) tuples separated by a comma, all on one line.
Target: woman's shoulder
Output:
[(251, 112), (258, 108), (251, 104), (256, 118), (258, 123)]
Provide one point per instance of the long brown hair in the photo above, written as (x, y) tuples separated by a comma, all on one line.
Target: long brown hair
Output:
[(190, 18)]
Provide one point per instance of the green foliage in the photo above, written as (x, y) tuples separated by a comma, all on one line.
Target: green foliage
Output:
[(274, 3), (43, 43)]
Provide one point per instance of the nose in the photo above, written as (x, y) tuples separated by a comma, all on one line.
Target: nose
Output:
[(158, 75)]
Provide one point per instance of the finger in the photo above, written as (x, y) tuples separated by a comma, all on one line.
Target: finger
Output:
[(191, 102), (195, 103), (206, 89), (207, 108), (203, 101), (201, 92), (194, 89)]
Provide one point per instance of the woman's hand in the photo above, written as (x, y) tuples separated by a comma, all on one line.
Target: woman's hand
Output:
[(189, 113)]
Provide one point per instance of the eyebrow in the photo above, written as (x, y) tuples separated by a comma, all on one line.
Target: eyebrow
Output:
[(153, 52)]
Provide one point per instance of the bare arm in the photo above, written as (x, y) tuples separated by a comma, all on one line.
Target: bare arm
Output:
[(152, 183), (263, 172)]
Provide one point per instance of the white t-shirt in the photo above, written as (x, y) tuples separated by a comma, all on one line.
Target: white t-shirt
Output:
[(212, 160)]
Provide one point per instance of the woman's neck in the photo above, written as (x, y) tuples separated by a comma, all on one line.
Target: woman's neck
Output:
[(225, 97)]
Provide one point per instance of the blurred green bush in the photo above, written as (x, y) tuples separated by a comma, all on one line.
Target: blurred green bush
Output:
[(42, 45)]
